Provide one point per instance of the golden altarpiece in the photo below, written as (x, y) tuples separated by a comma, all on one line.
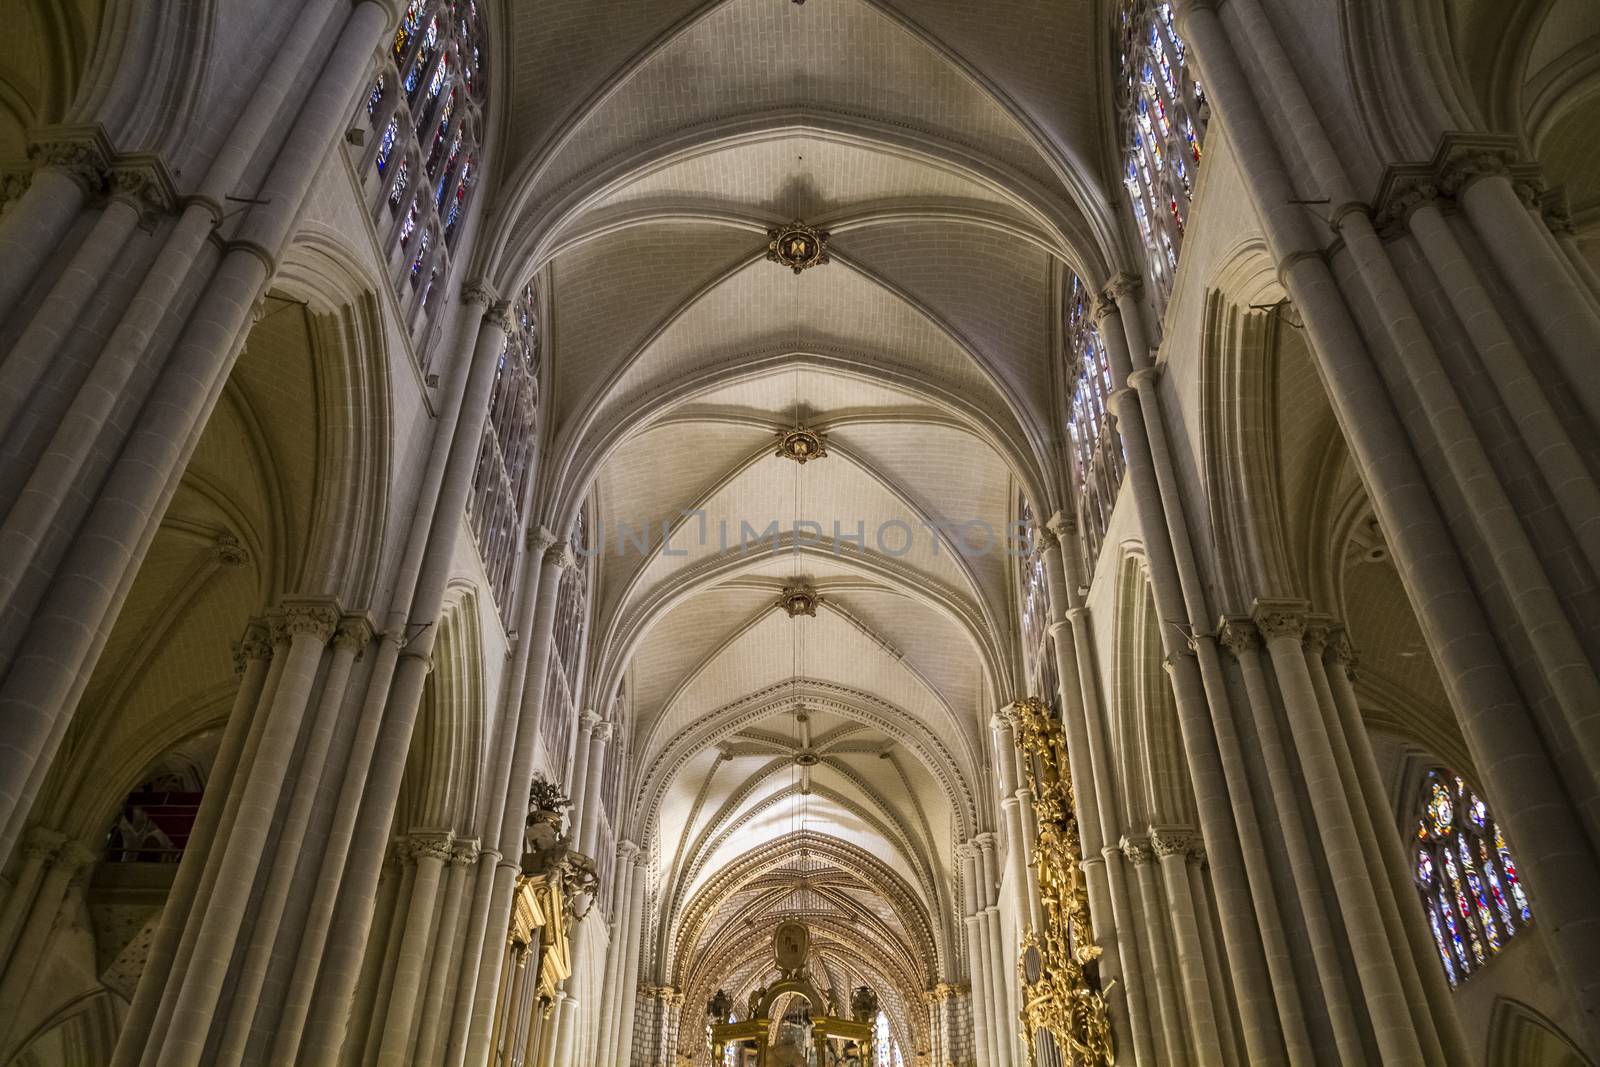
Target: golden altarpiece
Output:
[(766, 1037), (1063, 1016)]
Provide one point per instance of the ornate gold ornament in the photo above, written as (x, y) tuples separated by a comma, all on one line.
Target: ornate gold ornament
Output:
[(800, 600), (797, 246), (1057, 965), (802, 445)]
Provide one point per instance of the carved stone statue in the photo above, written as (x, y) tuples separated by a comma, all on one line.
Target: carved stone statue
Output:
[(864, 1005)]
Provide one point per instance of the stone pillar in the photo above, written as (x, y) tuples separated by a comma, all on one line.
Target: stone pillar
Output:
[(1169, 1007), (431, 850), (1239, 637), (616, 956), (578, 784), (1532, 795), (1173, 850), (1283, 627), (59, 861), (303, 635), (594, 784), (629, 986), (445, 959), (977, 959), (496, 877), (1003, 1010)]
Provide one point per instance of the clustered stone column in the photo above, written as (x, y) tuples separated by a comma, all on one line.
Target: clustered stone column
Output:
[(620, 994), (1491, 532), (993, 991)]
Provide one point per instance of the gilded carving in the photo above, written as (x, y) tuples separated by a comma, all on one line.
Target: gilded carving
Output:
[(1058, 964), (802, 445), (797, 246)]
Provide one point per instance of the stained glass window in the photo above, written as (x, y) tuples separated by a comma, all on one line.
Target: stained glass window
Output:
[(506, 454), (425, 156), (1163, 120), (1034, 603), (1096, 451), (1467, 878)]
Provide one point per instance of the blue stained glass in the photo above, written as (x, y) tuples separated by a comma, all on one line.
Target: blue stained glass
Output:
[(422, 253), (375, 97), (1512, 878), (1455, 934), (1438, 939), (402, 178), (386, 145)]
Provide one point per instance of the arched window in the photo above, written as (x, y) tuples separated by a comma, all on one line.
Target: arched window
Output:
[(1162, 123), (1465, 872), (1034, 603), (566, 653), (1097, 462), (425, 109), (504, 472)]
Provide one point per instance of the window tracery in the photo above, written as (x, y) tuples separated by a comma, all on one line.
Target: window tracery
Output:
[(1162, 120), (1034, 604), (1466, 875), (1097, 460), (502, 477), (566, 653), (426, 107)]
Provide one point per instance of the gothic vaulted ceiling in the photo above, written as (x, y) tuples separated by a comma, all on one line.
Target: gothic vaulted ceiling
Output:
[(823, 764)]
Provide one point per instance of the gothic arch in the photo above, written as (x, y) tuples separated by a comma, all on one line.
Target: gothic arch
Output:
[(1521, 1037), (441, 784)]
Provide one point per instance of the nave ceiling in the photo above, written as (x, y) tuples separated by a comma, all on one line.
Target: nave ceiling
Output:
[(823, 765)]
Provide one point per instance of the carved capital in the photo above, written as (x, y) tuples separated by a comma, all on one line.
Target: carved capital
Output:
[(14, 182), (1555, 211), (143, 182), (81, 152), (1319, 633), (429, 845), (1280, 618), (465, 852), (227, 550), (1175, 842), (603, 733), (1461, 161), (559, 555), (1121, 284), (589, 720), (478, 291), (1405, 188), (540, 539), (309, 619), (1236, 634), (1137, 849), (255, 644), (354, 634), (499, 313), (1103, 307)]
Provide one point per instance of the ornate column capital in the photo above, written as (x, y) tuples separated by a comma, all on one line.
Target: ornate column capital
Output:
[(1463, 159), (1555, 210), (1062, 525), (1103, 306), (1237, 634), (465, 852), (588, 720), (499, 314), (83, 153), (539, 539), (142, 182), (429, 845), (603, 733), (627, 850), (559, 554), (1277, 618), (1319, 633), (1137, 849), (354, 634), (1121, 284), (308, 616), (255, 644), (1176, 841), (479, 291)]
